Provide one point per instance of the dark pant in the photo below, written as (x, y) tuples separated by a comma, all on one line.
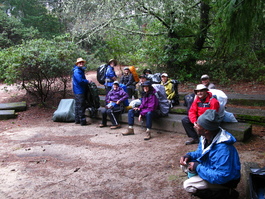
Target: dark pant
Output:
[(149, 116), (189, 128), (80, 108), (113, 114)]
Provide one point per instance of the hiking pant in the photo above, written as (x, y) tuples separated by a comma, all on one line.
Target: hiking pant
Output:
[(149, 116), (189, 128), (80, 108), (113, 114)]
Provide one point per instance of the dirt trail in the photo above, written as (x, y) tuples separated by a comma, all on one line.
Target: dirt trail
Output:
[(45, 159)]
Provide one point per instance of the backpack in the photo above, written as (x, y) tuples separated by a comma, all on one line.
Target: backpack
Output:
[(164, 105), (134, 73), (101, 73), (93, 100), (175, 100), (154, 78)]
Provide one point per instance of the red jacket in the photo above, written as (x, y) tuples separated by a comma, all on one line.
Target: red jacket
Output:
[(198, 108)]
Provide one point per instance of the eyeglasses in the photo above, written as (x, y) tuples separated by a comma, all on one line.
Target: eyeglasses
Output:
[(203, 79)]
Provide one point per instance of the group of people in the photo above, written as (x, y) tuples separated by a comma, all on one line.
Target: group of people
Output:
[(213, 170)]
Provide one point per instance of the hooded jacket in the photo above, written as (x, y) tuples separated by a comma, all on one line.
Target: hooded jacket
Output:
[(79, 80), (116, 95), (110, 73), (149, 102), (219, 162), (198, 108)]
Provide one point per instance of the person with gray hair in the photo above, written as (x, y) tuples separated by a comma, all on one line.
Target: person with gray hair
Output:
[(214, 168)]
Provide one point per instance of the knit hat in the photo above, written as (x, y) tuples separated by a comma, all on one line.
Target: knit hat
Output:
[(209, 120)]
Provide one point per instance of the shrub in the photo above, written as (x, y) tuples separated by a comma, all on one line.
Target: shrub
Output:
[(41, 67)]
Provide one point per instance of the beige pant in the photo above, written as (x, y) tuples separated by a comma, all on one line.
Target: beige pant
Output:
[(196, 182)]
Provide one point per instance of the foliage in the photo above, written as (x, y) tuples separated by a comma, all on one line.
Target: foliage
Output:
[(33, 13), (12, 31), (42, 67)]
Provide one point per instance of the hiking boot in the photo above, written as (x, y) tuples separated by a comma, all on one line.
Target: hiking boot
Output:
[(192, 141), (115, 126), (130, 131), (147, 135), (102, 125)]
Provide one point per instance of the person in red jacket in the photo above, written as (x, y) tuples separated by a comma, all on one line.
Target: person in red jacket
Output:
[(203, 101)]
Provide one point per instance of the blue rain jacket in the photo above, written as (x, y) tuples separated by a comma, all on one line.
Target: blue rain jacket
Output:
[(219, 162)]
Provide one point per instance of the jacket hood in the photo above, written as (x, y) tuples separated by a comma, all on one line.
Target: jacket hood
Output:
[(222, 137)]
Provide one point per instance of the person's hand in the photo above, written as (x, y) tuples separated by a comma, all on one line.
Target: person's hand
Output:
[(140, 118), (184, 160), (118, 102), (136, 109), (191, 166)]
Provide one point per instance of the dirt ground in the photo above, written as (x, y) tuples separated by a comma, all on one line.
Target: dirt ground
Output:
[(45, 159)]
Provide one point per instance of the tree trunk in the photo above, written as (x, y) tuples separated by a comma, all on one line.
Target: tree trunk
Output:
[(204, 25)]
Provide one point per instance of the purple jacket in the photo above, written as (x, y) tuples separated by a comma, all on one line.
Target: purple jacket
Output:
[(149, 103), (116, 95)]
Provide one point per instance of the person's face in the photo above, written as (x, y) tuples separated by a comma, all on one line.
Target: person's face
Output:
[(205, 81), (164, 79), (200, 130), (115, 86), (80, 64), (202, 94), (112, 64), (126, 71), (146, 89), (142, 80)]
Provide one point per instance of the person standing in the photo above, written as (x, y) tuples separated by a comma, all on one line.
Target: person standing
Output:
[(80, 84), (203, 101), (214, 168), (110, 75), (147, 109)]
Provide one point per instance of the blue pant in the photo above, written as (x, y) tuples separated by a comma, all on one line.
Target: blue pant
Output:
[(149, 116), (80, 108)]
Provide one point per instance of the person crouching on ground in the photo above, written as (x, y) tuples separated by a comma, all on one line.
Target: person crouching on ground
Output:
[(214, 168), (80, 84), (147, 109), (114, 107)]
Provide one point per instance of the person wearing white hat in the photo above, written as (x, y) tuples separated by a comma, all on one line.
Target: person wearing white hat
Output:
[(203, 100), (169, 87), (80, 84)]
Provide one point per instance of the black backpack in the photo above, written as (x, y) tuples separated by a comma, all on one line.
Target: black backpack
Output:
[(101, 73), (175, 100), (93, 100)]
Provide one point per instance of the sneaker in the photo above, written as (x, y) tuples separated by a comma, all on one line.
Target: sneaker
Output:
[(102, 125), (130, 131), (115, 126), (192, 141)]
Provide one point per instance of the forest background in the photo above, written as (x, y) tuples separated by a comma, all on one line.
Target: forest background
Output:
[(41, 39)]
